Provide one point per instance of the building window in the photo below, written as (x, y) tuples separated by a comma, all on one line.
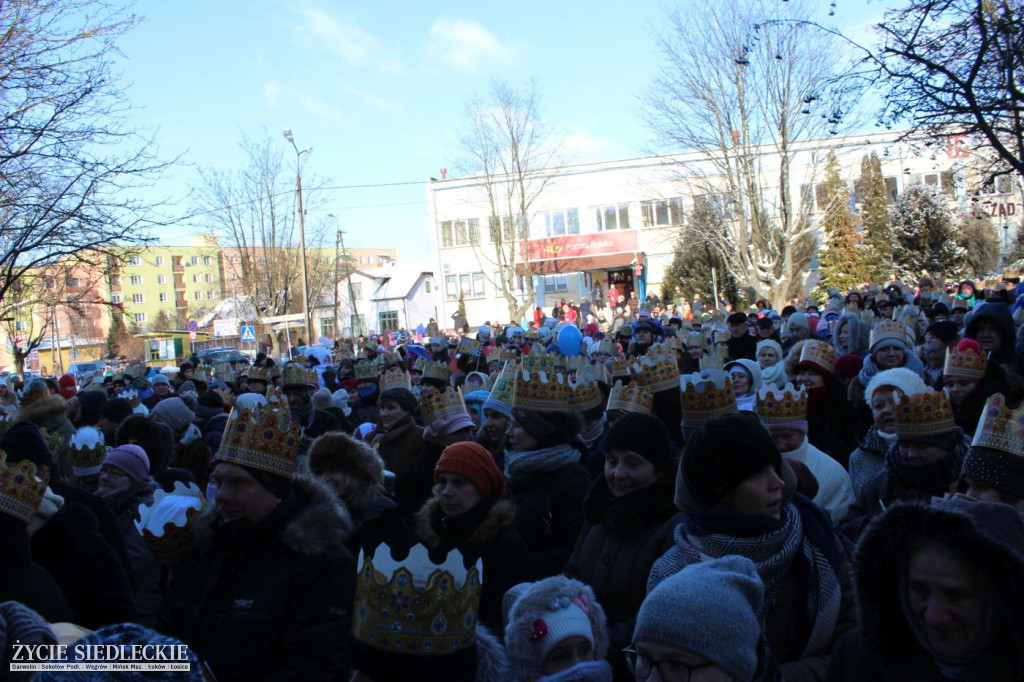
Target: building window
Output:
[(458, 233), (426, 286), (71, 281), (161, 279), (195, 260), (1002, 184), (232, 259), (163, 298), (115, 281), (116, 299), (945, 181), (136, 279), (467, 285), (388, 319), (662, 212), (138, 298), (209, 295), (561, 222), (135, 260), (195, 278), (198, 295), (614, 217), (140, 317), (721, 204), (451, 285), (327, 327), (159, 260), (357, 290), (234, 276), (209, 277), (555, 283), (206, 260)]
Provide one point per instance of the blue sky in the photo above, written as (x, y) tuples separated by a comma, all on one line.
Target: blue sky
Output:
[(378, 89)]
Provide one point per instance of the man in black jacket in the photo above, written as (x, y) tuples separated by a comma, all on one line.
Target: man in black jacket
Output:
[(266, 589), (741, 344)]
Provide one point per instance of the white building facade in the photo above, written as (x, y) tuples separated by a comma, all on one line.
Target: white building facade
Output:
[(617, 223)]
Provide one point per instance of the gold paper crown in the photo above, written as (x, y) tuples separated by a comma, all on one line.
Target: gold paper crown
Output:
[(296, 374), (966, 363), (54, 441), (714, 357), (674, 344), (504, 385), (584, 395), (87, 451), (508, 353), (658, 369), (619, 367), (888, 329), (416, 606), (366, 371), (259, 374), (537, 360), (1000, 428), (166, 524), (606, 345), (264, 439), (695, 340), (395, 377), (21, 488), (819, 354), (594, 371), (204, 371), (925, 413), (420, 365), (630, 398), (132, 396), (540, 391), (782, 406), (703, 398), (435, 405), (437, 370), (393, 359)]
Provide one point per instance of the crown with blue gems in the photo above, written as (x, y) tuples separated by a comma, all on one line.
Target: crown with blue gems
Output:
[(631, 397), (966, 363), (703, 397), (781, 406), (21, 488), (925, 413), (437, 369), (714, 357), (415, 606), (657, 369), (395, 377), (365, 371), (539, 391)]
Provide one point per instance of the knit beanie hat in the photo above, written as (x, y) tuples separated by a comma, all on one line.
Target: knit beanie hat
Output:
[(723, 453), (173, 412), (131, 459), (24, 441), (116, 410), (475, 464), (644, 434), (402, 396), (905, 380), (321, 399), (160, 379), (340, 399), (67, 387), (21, 625), (548, 428), (943, 330), (848, 366), (540, 615), (771, 343), (446, 426), (709, 609), (798, 320)]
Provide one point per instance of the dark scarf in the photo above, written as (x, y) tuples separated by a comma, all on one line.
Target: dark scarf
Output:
[(127, 500), (931, 478), (458, 531), (632, 513)]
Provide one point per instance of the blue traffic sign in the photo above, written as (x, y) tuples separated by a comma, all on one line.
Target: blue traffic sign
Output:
[(248, 334), (193, 325)]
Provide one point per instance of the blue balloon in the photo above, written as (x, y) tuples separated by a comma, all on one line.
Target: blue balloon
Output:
[(570, 340)]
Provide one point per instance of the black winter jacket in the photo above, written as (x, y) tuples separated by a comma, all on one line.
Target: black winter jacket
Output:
[(25, 581), (271, 600)]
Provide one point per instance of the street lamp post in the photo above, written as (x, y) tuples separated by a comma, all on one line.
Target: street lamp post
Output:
[(302, 233)]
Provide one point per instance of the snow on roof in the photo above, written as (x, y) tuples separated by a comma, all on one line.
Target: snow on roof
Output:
[(398, 283)]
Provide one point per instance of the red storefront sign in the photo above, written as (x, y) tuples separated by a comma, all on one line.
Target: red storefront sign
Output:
[(581, 246)]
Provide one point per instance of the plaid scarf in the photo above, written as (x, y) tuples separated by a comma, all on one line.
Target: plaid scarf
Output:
[(773, 553)]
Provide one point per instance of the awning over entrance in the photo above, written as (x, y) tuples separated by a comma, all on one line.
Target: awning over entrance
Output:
[(602, 251), (564, 265)]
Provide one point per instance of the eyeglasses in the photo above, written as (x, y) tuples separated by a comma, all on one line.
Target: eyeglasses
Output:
[(670, 671)]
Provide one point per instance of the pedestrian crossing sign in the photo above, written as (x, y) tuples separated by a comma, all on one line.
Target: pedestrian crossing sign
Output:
[(248, 334)]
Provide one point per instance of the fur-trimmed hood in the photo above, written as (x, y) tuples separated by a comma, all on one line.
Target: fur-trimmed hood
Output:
[(427, 523), (42, 410), (317, 521), (492, 661), (528, 604), (990, 535)]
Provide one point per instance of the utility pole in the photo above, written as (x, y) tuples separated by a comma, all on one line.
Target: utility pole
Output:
[(357, 327), (302, 233)]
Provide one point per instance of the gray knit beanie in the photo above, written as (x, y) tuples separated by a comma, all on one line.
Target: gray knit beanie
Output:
[(174, 413), (710, 609)]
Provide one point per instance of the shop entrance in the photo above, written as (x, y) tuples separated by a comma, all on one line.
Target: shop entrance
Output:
[(620, 286)]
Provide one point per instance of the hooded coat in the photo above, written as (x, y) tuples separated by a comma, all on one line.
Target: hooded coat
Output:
[(999, 313), (271, 600), (884, 646), (50, 413)]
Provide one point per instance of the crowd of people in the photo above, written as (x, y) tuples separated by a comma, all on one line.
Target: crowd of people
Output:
[(826, 492)]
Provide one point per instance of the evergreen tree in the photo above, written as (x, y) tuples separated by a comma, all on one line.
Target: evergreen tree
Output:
[(877, 235), (690, 270), (980, 240), (1015, 256), (841, 257), (116, 345), (925, 235)]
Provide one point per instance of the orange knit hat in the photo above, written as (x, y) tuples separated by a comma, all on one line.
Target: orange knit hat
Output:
[(475, 464)]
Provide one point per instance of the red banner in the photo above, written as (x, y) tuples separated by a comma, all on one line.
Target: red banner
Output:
[(581, 246)]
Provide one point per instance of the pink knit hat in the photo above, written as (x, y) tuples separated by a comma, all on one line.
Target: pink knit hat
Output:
[(131, 459)]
